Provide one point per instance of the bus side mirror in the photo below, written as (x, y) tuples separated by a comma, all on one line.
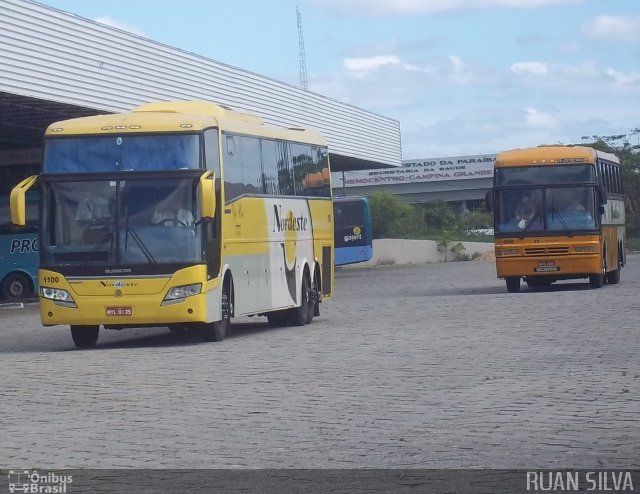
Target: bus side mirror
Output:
[(488, 201), (207, 191), (18, 201), (602, 195)]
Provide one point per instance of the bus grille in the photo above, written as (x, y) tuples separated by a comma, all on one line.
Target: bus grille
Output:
[(542, 251)]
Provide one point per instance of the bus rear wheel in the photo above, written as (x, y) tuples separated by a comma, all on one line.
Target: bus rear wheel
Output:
[(513, 284), (16, 286), (85, 336), (216, 331), (314, 300), (277, 318), (613, 277)]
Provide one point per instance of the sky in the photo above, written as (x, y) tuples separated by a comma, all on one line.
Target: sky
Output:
[(462, 77)]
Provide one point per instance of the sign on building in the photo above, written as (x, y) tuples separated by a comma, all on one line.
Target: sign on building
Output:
[(421, 170)]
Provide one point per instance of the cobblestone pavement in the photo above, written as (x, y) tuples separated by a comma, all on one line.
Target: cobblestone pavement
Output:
[(425, 366)]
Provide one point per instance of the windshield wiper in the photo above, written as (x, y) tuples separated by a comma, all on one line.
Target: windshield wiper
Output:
[(96, 248), (139, 242), (555, 212), (128, 229)]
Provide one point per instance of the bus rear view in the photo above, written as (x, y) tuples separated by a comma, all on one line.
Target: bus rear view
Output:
[(352, 230), (558, 214)]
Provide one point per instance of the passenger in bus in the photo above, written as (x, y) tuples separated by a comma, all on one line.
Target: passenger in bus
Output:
[(171, 212)]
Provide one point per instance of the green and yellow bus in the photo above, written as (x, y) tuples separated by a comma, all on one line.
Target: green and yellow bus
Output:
[(558, 214), (181, 215)]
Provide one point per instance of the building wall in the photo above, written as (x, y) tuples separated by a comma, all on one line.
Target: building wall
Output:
[(53, 55), (392, 251)]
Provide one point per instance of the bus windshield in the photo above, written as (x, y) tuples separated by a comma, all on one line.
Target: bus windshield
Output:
[(121, 222), (551, 209), (113, 153)]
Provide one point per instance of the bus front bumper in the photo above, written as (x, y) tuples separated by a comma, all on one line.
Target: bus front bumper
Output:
[(132, 311), (558, 267)]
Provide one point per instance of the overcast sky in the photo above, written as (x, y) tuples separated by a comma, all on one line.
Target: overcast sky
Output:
[(461, 76)]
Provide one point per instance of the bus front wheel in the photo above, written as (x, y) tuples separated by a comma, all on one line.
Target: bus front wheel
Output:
[(513, 284), (216, 331), (597, 280), (16, 286), (85, 336)]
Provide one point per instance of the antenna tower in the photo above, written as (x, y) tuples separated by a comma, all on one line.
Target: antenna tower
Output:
[(304, 83)]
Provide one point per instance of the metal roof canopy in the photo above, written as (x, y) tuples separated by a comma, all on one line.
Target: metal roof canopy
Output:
[(56, 65), (23, 120)]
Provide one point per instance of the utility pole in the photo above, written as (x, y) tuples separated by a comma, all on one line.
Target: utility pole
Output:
[(303, 61)]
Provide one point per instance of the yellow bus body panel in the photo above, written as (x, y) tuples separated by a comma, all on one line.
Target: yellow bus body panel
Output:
[(322, 212)]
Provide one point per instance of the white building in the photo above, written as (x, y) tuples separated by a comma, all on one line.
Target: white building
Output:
[(56, 65)]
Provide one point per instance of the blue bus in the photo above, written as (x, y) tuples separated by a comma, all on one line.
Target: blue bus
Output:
[(19, 254), (352, 230)]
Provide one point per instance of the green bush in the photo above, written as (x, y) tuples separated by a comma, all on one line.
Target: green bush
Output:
[(436, 220)]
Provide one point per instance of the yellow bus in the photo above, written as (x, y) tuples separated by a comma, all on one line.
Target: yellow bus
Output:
[(558, 214), (181, 215)]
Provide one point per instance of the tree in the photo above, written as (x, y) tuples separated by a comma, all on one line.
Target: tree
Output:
[(629, 154), (391, 217), (438, 216)]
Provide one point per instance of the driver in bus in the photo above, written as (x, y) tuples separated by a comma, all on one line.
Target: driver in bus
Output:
[(170, 212), (526, 212)]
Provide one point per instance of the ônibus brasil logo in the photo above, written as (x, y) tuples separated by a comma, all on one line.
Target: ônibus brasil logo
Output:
[(33, 482)]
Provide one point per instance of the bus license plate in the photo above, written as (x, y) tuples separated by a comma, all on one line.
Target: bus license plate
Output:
[(119, 311), (546, 267)]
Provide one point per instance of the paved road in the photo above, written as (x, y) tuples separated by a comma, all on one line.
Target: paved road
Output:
[(431, 366)]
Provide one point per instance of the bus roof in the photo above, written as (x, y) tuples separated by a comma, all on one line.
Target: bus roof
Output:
[(181, 116), (551, 155)]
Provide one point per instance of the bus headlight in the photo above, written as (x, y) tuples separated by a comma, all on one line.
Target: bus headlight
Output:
[(586, 249), (59, 296), (179, 293), (507, 252)]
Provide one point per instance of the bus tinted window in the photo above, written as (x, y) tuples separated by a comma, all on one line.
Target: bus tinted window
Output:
[(266, 166), (122, 153), (314, 173), (272, 155), (242, 166), (348, 214), (529, 175)]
